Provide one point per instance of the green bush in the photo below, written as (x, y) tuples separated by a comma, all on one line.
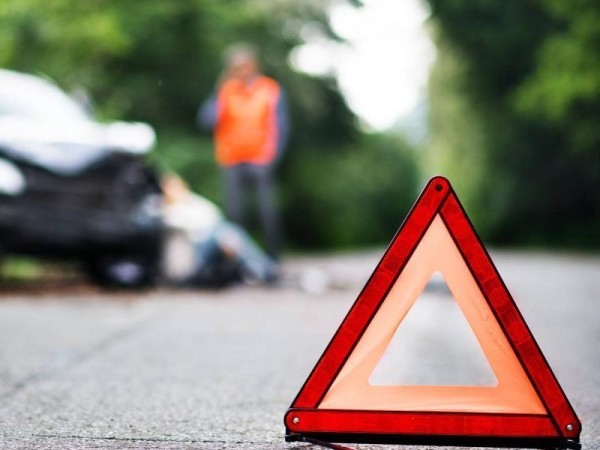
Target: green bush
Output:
[(352, 196)]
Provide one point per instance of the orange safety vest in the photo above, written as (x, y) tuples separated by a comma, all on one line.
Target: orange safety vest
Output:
[(246, 128)]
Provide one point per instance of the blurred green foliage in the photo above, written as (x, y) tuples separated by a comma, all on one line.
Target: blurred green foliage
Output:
[(20, 269), (157, 60), (357, 194), (515, 101)]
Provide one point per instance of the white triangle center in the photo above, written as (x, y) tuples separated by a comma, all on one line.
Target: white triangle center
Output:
[(434, 346)]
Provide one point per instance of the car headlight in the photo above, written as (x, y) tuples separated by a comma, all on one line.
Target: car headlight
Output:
[(12, 181)]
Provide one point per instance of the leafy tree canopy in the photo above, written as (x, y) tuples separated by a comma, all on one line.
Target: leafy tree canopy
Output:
[(157, 60), (515, 100)]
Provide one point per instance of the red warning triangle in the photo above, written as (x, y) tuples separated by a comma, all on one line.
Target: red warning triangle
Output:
[(527, 406)]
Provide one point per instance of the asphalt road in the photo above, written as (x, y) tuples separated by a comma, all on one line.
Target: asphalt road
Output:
[(216, 370)]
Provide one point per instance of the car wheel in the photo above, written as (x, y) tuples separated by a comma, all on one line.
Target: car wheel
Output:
[(124, 271)]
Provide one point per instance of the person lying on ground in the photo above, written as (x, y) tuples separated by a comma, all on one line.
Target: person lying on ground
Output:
[(204, 249)]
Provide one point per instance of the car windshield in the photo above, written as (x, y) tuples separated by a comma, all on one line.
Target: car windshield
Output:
[(28, 96)]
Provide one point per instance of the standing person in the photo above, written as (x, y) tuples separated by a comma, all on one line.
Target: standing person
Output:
[(248, 114)]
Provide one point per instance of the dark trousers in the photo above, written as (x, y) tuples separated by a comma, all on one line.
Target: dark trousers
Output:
[(240, 179)]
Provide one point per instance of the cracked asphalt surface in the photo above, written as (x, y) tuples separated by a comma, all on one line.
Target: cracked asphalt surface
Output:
[(178, 369)]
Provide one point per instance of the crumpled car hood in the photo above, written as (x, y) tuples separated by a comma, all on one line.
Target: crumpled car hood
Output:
[(67, 148)]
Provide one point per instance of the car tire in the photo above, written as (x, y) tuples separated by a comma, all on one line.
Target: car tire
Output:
[(124, 271)]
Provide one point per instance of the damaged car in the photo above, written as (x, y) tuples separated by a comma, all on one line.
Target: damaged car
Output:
[(72, 188)]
